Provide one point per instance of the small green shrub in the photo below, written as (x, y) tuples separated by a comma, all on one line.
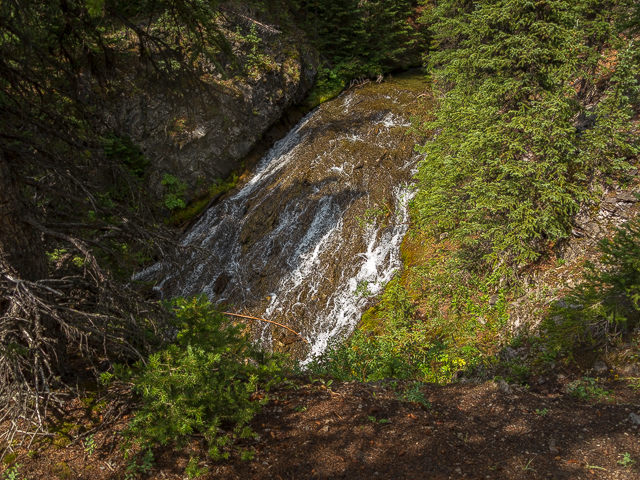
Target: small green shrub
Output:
[(193, 470), (141, 465), (626, 460), (413, 394), (90, 445), (174, 192), (11, 473), (587, 389), (255, 58), (329, 83), (201, 383), (247, 455)]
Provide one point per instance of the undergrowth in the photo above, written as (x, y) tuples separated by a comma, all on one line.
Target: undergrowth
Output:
[(203, 384), (434, 322), (606, 305)]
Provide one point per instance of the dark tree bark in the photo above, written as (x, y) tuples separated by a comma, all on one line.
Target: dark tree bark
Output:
[(21, 250)]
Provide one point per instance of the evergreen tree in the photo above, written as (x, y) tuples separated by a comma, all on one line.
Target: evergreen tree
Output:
[(364, 38), (392, 41), (534, 102)]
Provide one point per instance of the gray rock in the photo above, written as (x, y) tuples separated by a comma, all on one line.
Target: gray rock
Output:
[(634, 418), (493, 299), (600, 367), (627, 197), (503, 387), (509, 353), (203, 137), (631, 370), (552, 446)]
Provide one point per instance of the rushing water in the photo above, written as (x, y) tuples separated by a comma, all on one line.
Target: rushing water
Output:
[(315, 233)]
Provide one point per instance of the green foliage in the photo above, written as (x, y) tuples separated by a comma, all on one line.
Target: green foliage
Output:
[(517, 371), (122, 149), (90, 445), (329, 83), (458, 328), (174, 192), (247, 455), (192, 470), (516, 139), (626, 460), (587, 389), (255, 59), (607, 302), (11, 473), (375, 215), (198, 205), (139, 466), (360, 40), (362, 290), (413, 394), (200, 384)]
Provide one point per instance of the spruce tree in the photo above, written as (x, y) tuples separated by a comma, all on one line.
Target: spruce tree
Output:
[(534, 103), (393, 42)]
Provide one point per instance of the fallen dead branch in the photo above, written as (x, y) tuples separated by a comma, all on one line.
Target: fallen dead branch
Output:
[(267, 321)]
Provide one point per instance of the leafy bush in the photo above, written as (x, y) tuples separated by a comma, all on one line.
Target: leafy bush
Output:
[(587, 389), (174, 192), (202, 383), (255, 58), (607, 302)]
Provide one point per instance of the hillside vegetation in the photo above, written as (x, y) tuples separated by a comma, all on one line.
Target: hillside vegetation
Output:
[(533, 120)]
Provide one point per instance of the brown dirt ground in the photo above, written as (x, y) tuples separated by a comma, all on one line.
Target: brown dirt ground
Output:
[(363, 431)]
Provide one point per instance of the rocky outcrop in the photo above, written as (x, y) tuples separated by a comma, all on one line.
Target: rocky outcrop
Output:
[(200, 137), (594, 222)]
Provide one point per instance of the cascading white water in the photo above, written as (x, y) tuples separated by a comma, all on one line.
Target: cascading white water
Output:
[(292, 245)]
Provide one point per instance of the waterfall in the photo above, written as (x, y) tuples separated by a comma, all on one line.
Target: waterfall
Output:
[(315, 233)]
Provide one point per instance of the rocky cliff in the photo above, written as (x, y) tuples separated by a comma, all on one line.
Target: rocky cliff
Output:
[(199, 136)]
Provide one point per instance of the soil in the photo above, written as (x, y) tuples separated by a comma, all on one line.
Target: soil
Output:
[(367, 431)]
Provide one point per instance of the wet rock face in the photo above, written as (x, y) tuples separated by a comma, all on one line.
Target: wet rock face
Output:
[(316, 231), (204, 137)]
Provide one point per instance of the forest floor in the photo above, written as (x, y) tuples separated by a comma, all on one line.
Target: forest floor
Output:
[(370, 431)]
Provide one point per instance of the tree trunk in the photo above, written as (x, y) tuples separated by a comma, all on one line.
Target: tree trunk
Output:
[(22, 253)]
